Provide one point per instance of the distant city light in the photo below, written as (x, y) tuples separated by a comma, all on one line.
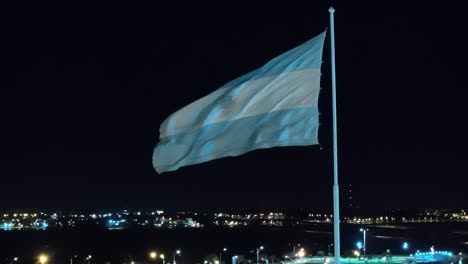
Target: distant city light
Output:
[(125, 220), (157, 219)]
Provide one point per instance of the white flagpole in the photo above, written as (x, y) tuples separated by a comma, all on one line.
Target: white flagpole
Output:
[(336, 192)]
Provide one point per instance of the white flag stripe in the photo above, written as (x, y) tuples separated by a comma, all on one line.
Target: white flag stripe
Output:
[(284, 91)]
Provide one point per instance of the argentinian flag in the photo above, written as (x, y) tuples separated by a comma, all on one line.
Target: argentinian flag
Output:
[(275, 105)]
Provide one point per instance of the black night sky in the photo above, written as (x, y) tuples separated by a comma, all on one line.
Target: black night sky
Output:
[(88, 84)]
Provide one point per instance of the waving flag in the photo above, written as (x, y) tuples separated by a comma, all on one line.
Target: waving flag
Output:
[(274, 105)]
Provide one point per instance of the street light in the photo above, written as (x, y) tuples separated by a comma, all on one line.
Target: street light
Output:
[(153, 255), (177, 252), (71, 258), (356, 253), (301, 253), (162, 257), (88, 258), (220, 253), (405, 245), (294, 249), (364, 230), (329, 245), (258, 253), (43, 258), (359, 245)]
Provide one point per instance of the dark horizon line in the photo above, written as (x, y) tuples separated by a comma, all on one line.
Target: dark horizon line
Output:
[(344, 211)]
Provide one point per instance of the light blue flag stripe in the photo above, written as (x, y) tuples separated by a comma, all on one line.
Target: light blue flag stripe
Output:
[(295, 127), (303, 57)]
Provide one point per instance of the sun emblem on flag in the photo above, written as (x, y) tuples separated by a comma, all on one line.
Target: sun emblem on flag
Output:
[(221, 107), (227, 104)]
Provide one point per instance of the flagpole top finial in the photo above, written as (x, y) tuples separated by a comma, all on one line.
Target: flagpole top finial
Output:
[(331, 9)]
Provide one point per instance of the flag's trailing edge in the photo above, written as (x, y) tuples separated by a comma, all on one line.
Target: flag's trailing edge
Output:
[(274, 105)]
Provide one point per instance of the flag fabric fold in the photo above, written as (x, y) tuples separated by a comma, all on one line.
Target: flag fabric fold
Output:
[(274, 105)]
